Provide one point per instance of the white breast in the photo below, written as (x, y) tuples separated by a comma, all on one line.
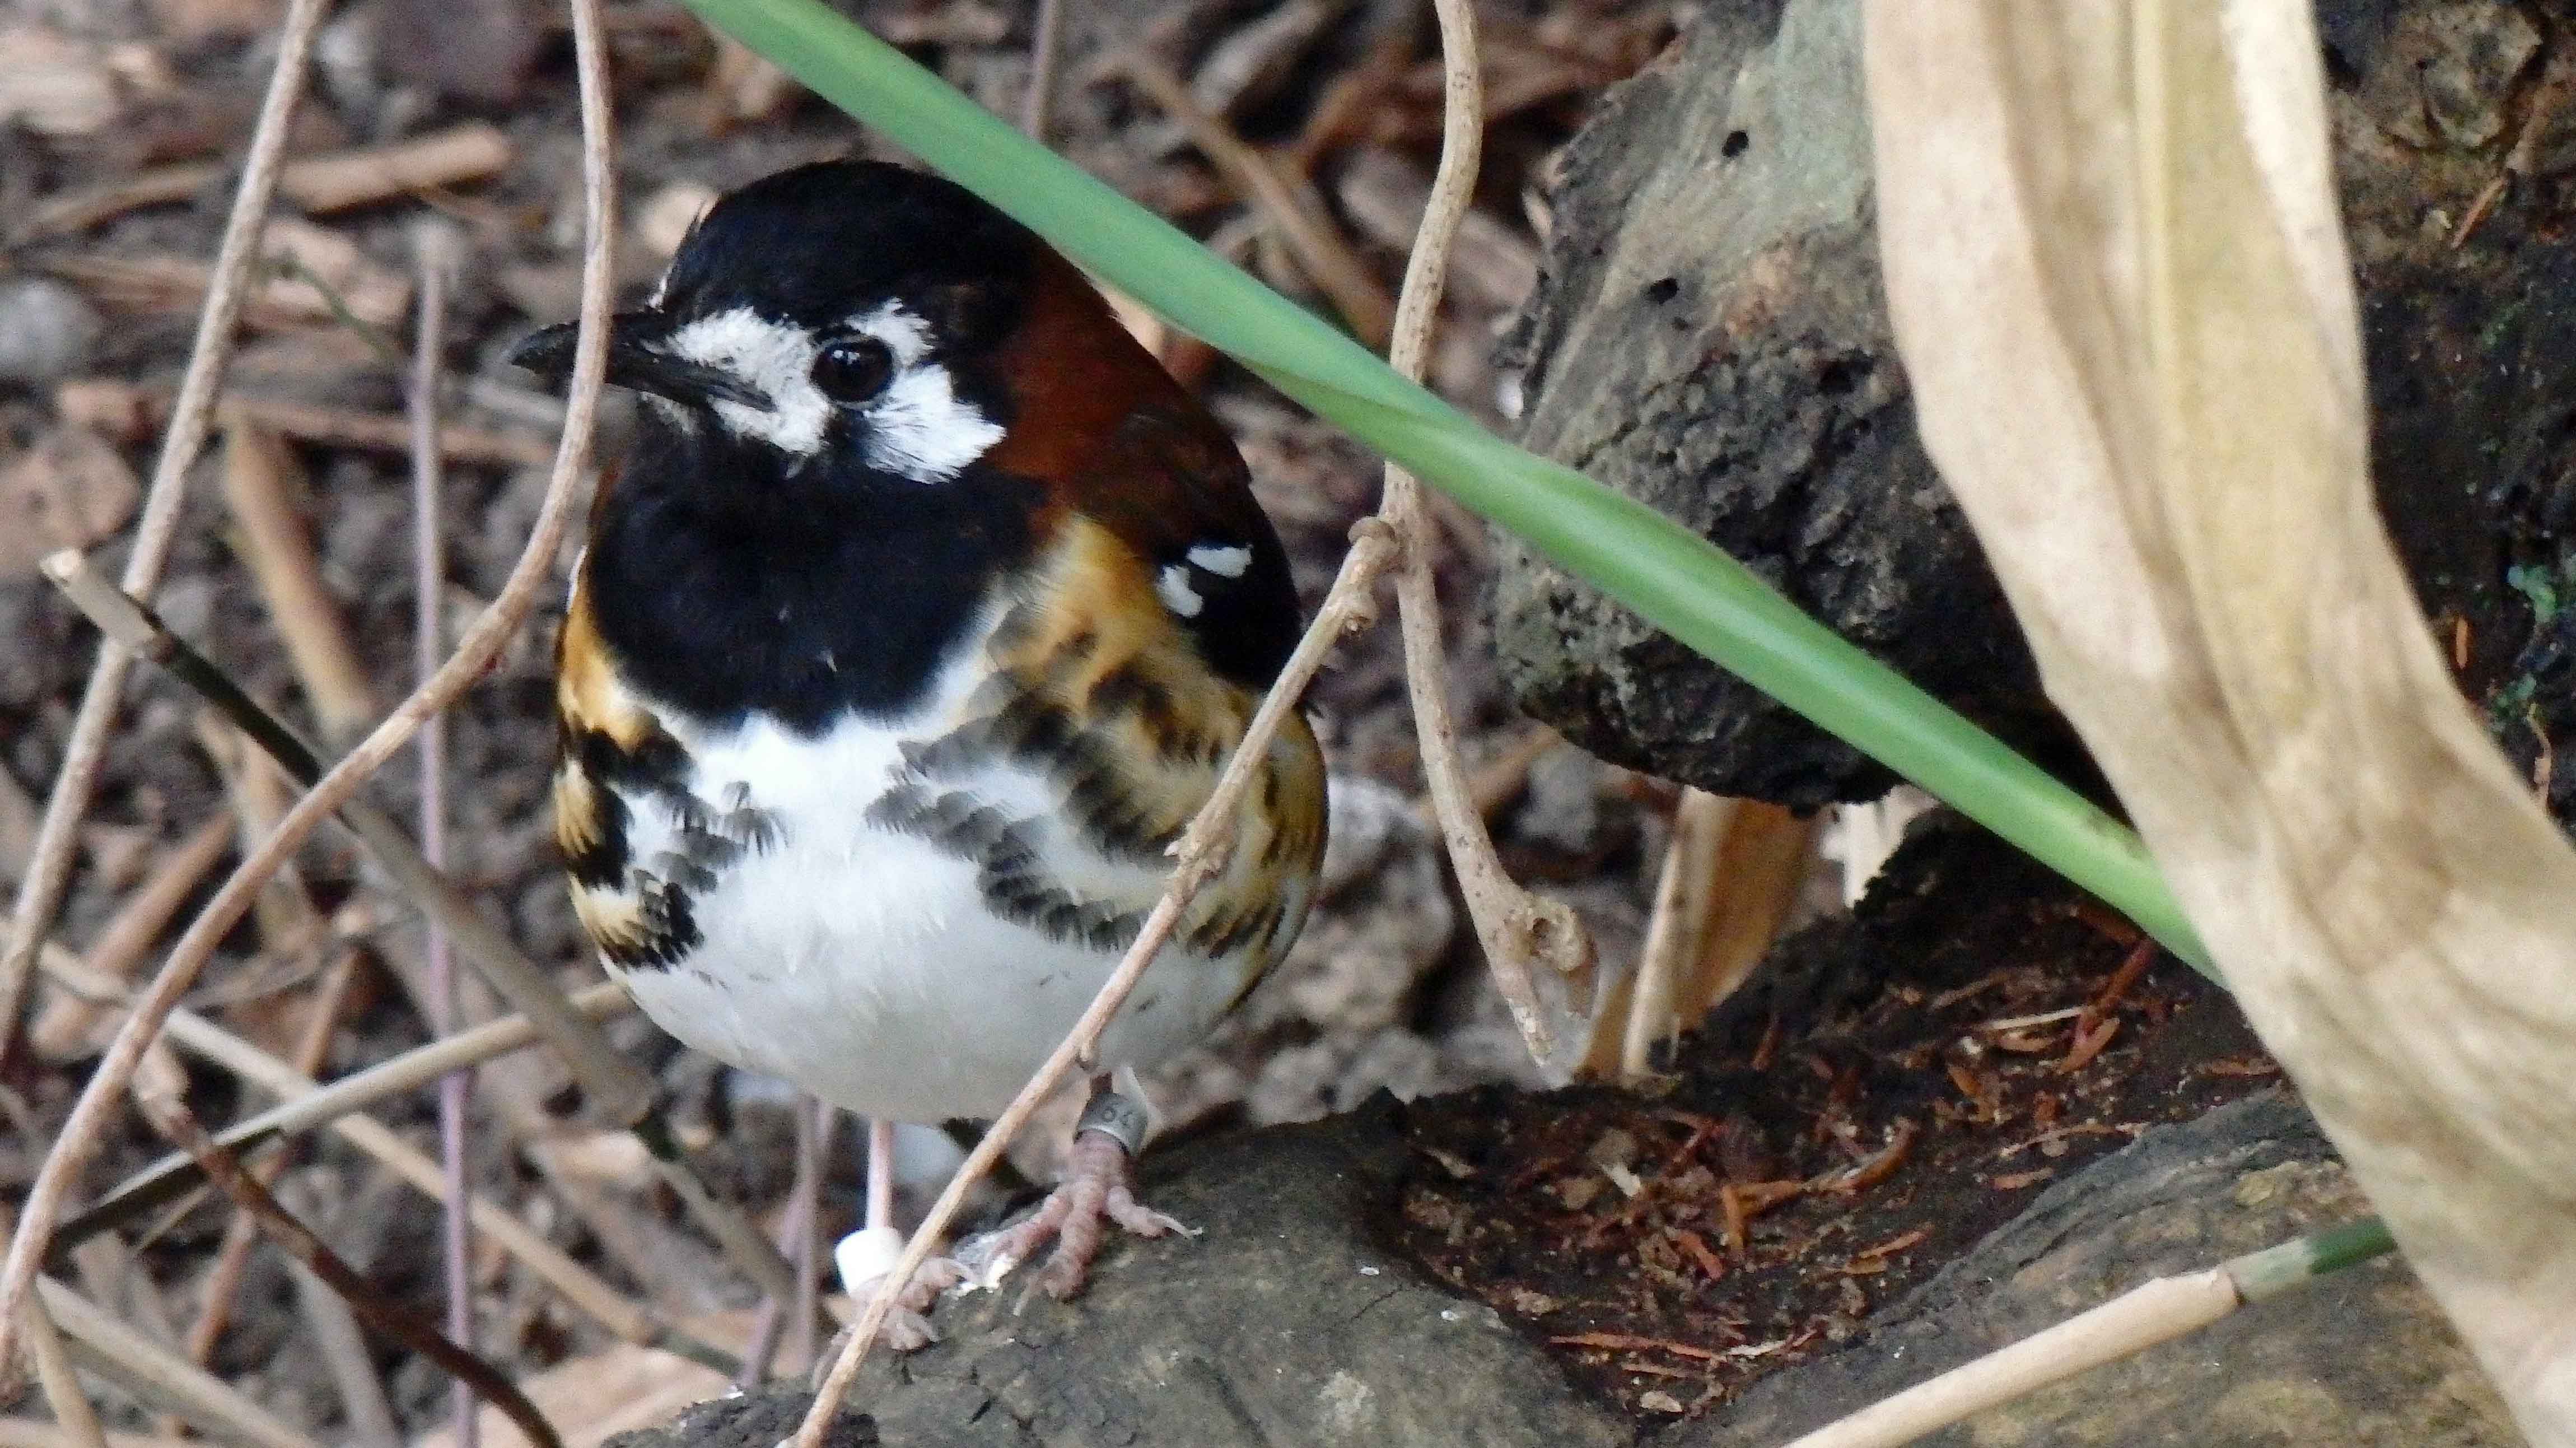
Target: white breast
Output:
[(862, 963)]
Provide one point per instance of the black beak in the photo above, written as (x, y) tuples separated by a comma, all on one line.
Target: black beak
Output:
[(634, 361)]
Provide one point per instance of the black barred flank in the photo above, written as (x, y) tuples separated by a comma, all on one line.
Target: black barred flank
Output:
[(712, 839), (1008, 873), (669, 930), (1102, 803)]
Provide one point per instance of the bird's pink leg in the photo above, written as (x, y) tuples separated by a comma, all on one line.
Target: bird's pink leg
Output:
[(866, 1255), (1098, 1187)]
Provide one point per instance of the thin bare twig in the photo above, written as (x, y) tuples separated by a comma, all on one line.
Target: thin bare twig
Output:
[(2136, 1320), (332, 1328), (17, 825), (172, 1119), (258, 473), (1499, 780), (788, 1325), (332, 180), (1046, 62), (741, 1238), (2539, 116), (1685, 896), (1523, 934), (40, 892), (1732, 872), (241, 1233), (434, 248), (85, 1127), (63, 1394), (35, 1433), (110, 1348), (369, 174), (1348, 608), (290, 921), (164, 1180), (1319, 246), (579, 1286), (122, 409), (816, 1121), (63, 1028)]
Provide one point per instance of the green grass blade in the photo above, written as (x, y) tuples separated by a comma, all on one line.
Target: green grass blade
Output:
[(1670, 576)]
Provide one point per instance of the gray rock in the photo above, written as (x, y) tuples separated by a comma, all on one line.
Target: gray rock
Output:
[(1285, 1323), (755, 1420), (2360, 1358), (1710, 337), (48, 330)]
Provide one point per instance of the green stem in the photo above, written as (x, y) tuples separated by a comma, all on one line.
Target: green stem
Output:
[(2275, 1270)]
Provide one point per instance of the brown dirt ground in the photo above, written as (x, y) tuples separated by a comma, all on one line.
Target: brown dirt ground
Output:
[(1911, 1078)]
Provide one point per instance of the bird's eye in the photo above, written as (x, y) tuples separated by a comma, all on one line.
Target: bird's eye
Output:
[(853, 369)]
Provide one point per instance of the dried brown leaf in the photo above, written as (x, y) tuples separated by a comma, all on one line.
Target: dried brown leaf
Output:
[(68, 491)]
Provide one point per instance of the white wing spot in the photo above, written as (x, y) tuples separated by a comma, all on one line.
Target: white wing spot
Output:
[(1226, 562), (1173, 585)]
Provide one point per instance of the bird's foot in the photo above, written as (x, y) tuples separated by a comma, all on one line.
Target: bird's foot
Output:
[(864, 1258), (1097, 1187)]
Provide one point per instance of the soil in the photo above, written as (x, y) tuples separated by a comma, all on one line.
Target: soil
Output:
[(1910, 1080)]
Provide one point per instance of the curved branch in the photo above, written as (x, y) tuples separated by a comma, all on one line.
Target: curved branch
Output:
[(1537, 949)]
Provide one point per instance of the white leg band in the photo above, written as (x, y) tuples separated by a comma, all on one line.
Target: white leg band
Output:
[(866, 1255)]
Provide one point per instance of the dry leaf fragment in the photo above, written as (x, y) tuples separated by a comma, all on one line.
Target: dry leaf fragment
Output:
[(53, 85), (189, 23), (610, 1158), (68, 491), (745, 85), (370, 174), (959, 22), (663, 220), (309, 267)]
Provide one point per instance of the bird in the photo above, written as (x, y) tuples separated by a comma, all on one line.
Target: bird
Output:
[(918, 619)]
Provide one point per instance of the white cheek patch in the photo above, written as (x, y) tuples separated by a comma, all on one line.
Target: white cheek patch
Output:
[(919, 427), (776, 358)]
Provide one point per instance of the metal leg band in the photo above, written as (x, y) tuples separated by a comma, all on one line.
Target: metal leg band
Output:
[(1114, 1116)]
